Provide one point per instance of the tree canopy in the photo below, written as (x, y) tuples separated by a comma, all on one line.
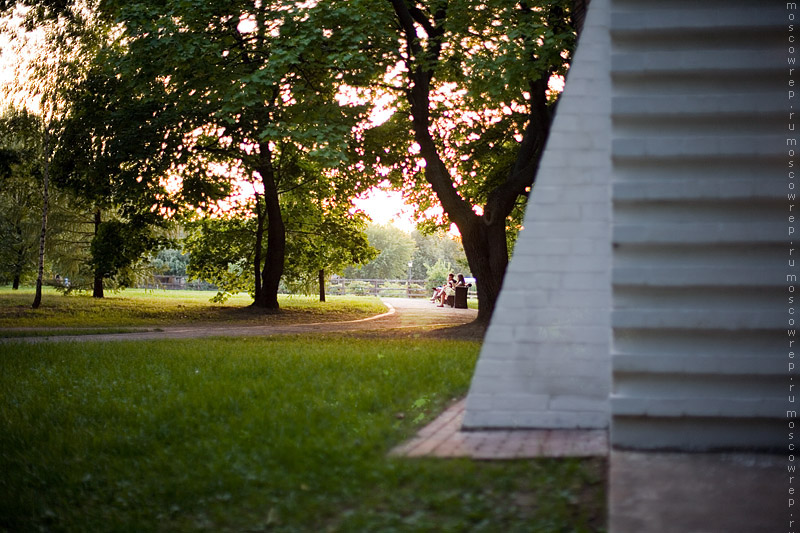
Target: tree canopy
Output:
[(20, 174), (474, 81), (238, 92), (181, 103)]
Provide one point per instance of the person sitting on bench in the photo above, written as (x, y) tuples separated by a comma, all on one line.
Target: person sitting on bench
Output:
[(449, 289), (438, 291)]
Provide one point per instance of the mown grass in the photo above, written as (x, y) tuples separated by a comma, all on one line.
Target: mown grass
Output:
[(141, 308), (280, 434), (67, 332)]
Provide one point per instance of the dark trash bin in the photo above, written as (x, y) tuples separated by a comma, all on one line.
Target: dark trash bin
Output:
[(460, 298)]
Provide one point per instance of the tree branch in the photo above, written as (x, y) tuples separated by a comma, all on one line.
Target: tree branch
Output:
[(406, 22)]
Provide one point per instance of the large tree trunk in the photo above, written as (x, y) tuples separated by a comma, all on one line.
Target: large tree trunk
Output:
[(276, 235), (483, 236), (487, 254), (15, 283), (97, 287)]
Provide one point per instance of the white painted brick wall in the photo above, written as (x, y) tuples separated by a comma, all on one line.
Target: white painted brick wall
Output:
[(545, 361)]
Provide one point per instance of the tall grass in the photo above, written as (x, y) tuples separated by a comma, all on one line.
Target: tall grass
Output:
[(257, 435)]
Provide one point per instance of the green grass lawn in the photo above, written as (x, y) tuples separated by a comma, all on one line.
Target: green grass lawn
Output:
[(277, 434), (144, 308)]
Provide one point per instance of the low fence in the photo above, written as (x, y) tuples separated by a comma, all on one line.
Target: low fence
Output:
[(177, 283), (397, 288)]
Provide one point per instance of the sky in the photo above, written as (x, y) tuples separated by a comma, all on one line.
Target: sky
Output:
[(387, 207)]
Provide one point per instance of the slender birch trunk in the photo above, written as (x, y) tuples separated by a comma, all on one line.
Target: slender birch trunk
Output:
[(37, 300)]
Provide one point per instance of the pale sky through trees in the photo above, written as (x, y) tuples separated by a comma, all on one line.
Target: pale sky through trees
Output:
[(387, 207)]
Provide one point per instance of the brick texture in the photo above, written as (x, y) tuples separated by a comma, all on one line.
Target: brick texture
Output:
[(545, 362)]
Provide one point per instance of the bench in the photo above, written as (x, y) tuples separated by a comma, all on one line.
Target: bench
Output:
[(459, 299)]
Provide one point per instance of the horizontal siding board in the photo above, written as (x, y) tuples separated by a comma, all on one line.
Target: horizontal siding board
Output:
[(700, 225)]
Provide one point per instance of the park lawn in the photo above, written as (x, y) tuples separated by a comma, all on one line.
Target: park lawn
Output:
[(278, 434), (158, 308)]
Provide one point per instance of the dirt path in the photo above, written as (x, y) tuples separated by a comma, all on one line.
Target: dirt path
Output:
[(405, 317)]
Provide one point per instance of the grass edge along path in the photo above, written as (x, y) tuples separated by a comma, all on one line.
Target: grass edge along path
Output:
[(65, 332), (137, 308), (276, 434)]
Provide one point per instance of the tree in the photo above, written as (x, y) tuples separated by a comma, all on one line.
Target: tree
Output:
[(438, 273), (221, 250), (475, 90), (20, 185), (170, 261), (431, 249), (242, 89), (101, 143), (396, 249), (44, 73), (20, 207), (322, 239), (221, 253)]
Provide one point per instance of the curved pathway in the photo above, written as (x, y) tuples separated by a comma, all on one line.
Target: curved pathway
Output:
[(403, 313)]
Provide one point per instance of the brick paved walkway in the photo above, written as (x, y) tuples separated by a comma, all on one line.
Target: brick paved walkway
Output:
[(443, 438)]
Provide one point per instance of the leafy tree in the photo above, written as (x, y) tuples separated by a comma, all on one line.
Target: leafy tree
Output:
[(221, 253), (438, 272), (117, 245), (396, 249), (171, 262), (240, 89), (319, 243), (21, 204), (44, 74), (20, 220), (106, 138), (474, 85), (431, 249)]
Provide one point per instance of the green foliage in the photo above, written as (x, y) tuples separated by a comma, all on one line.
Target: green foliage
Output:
[(438, 272), (396, 250), (208, 93), (431, 248), (221, 253), (118, 244), (321, 235), (103, 160), (170, 262), (481, 95), (221, 250), (20, 198), (360, 287), (473, 88), (21, 139), (258, 435), (239, 91)]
